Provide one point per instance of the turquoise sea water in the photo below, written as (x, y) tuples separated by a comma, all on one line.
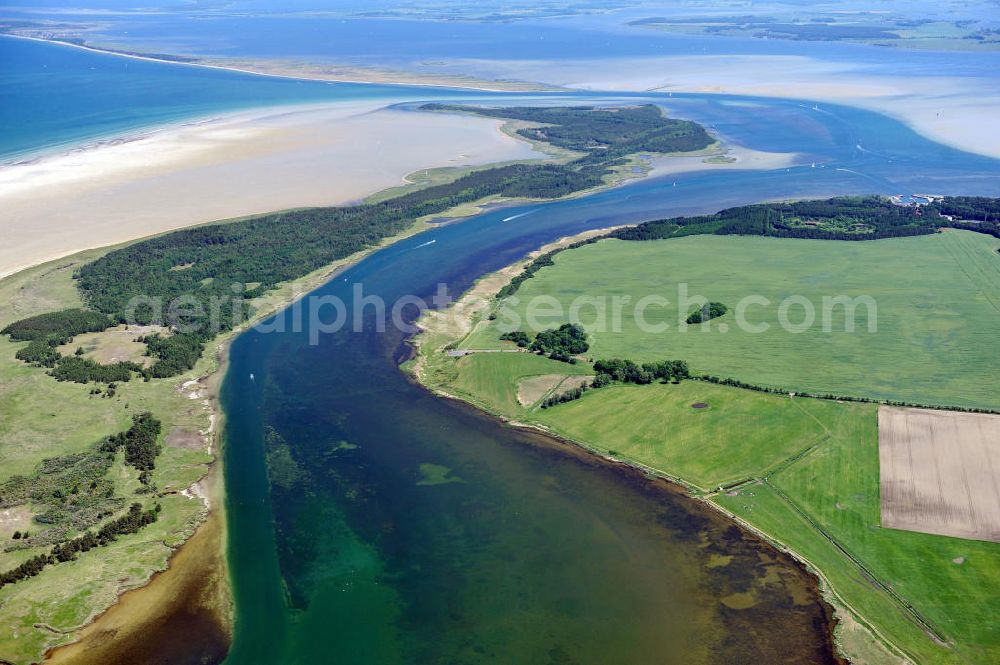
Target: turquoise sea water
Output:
[(54, 96)]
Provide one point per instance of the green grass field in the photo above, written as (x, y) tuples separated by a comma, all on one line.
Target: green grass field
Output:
[(739, 435), (490, 379), (938, 300), (833, 493), (803, 471), (820, 462)]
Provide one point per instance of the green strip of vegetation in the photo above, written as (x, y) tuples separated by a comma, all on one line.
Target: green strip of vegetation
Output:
[(604, 133), (838, 218)]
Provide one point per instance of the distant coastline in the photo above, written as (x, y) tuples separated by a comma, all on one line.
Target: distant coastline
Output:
[(258, 68)]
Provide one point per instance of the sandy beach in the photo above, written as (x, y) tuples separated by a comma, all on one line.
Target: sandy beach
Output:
[(252, 162), (236, 165), (726, 157), (300, 70)]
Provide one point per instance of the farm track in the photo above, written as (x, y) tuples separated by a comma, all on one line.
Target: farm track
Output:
[(865, 571), (856, 561)]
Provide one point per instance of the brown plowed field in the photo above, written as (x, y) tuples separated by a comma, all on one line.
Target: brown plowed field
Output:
[(940, 472)]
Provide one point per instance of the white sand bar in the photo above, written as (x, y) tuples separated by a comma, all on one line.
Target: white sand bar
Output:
[(227, 167), (940, 472)]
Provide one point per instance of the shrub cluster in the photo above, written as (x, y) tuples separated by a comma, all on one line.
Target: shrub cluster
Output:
[(174, 354), (74, 490), (85, 370), (568, 396), (707, 312), (39, 352), (140, 443), (628, 371), (562, 343), (518, 337), (131, 522), (618, 370)]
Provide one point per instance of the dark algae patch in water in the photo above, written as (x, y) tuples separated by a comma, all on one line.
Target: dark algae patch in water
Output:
[(439, 535)]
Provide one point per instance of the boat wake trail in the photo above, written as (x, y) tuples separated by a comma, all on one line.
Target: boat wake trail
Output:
[(513, 217)]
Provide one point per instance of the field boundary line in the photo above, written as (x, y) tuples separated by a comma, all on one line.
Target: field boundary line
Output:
[(923, 622)]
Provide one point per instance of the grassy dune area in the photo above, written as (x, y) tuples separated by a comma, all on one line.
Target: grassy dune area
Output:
[(43, 418), (937, 297), (805, 472)]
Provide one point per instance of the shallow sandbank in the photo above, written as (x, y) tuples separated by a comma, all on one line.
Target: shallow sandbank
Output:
[(236, 165)]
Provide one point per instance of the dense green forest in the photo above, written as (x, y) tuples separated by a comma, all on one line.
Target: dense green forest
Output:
[(839, 218), (57, 327), (972, 213), (606, 133), (969, 208)]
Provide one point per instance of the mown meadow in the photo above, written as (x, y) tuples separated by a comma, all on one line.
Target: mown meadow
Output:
[(937, 300)]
